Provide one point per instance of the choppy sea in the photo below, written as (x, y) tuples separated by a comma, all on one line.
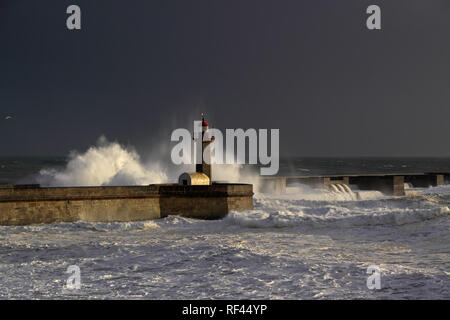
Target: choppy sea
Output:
[(305, 244)]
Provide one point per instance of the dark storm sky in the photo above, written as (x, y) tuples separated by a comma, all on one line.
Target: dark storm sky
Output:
[(139, 69)]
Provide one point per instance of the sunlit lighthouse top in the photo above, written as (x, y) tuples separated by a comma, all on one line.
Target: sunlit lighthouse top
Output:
[(205, 124)]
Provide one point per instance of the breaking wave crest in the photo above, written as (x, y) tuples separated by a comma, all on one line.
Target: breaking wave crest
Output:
[(107, 163)]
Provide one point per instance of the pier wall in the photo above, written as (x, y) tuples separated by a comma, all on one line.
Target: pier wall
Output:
[(22, 206)]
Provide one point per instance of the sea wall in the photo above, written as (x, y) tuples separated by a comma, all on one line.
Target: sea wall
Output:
[(28, 205)]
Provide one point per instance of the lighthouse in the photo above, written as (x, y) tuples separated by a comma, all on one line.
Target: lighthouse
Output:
[(205, 166), (203, 170)]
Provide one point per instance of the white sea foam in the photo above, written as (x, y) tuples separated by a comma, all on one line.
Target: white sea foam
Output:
[(107, 163), (296, 212), (303, 244), (302, 206)]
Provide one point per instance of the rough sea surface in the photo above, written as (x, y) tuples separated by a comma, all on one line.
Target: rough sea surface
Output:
[(305, 244)]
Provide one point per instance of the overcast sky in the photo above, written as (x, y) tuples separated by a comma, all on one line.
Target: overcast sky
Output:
[(139, 69)]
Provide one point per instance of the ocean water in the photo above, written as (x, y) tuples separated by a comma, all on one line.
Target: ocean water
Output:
[(305, 244)]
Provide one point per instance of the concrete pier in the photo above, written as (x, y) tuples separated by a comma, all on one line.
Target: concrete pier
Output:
[(390, 184), (21, 205)]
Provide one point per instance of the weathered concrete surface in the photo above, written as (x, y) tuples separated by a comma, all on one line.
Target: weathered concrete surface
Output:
[(22, 206), (95, 210), (205, 202)]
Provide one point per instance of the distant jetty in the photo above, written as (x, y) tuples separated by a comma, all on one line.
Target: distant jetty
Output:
[(387, 183)]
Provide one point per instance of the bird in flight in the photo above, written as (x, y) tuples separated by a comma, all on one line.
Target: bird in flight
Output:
[(8, 117)]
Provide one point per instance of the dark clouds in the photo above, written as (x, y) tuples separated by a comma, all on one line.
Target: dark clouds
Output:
[(138, 69)]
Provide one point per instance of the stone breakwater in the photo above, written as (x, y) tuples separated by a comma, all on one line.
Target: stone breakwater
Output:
[(31, 204)]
